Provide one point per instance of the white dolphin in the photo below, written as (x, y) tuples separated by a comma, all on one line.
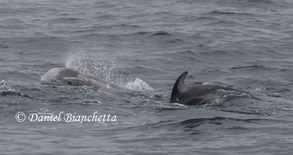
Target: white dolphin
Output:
[(71, 77)]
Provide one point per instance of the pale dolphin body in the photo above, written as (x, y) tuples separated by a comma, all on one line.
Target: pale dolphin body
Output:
[(195, 95), (71, 77)]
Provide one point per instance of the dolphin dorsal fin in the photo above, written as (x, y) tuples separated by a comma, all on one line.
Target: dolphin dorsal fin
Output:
[(179, 85)]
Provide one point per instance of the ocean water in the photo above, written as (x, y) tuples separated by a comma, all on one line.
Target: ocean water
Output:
[(144, 46)]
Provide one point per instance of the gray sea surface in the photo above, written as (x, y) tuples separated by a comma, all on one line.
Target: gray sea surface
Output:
[(144, 46)]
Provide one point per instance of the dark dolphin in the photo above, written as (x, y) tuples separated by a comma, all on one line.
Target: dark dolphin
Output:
[(68, 76), (195, 95)]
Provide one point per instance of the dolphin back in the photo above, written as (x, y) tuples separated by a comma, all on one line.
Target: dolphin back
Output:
[(178, 87), (71, 77)]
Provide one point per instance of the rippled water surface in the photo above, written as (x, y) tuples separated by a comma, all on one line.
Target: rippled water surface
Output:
[(144, 46)]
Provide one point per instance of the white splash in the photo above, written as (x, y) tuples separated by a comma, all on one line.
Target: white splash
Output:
[(3, 85), (207, 83), (5, 89), (138, 84)]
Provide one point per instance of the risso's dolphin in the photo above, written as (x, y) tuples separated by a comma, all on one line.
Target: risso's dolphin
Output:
[(195, 95), (71, 77)]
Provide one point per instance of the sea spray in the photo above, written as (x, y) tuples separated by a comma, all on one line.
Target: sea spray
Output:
[(138, 84), (105, 67)]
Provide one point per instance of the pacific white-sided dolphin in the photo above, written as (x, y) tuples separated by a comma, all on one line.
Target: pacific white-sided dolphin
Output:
[(195, 95), (71, 77)]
